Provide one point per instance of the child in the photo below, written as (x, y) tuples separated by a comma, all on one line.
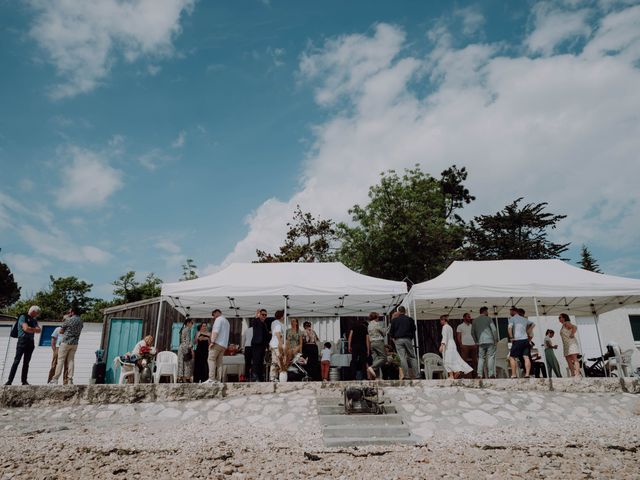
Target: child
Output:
[(325, 361)]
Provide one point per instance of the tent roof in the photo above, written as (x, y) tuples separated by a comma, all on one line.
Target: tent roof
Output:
[(311, 289), (498, 284)]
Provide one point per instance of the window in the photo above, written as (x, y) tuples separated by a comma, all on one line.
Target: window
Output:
[(45, 335), (634, 320)]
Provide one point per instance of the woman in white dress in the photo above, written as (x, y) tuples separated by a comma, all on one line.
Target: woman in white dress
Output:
[(453, 362), (570, 344)]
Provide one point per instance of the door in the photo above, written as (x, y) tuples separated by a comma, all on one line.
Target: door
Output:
[(124, 333)]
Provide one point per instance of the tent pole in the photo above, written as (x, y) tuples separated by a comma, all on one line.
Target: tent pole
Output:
[(417, 347), (595, 319), (535, 306), (155, 342), (285, 322)]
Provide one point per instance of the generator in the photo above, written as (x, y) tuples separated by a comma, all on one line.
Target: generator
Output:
[(362, 399)]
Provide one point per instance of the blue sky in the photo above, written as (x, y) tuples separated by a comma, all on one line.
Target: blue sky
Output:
[(136, 134)]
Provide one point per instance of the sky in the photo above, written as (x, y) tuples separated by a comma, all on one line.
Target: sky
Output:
[(136, 134)]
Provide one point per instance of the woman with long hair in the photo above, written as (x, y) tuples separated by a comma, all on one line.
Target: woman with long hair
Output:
[(570, 344), (453, 362), (294, 338), (185, 352), (310, 350), (359, 348), (200, 364)]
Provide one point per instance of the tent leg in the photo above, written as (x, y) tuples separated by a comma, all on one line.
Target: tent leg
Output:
[(595, 319), (535, 306), (285, 320), (155, 340)]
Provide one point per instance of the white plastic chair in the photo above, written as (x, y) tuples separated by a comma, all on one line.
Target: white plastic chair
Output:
[(622, 363), (166, 365), (502, 354), (126, 370), (432, 364)]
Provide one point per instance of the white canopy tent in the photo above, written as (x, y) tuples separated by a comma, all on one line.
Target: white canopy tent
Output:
[(543, 287), (301, 289)]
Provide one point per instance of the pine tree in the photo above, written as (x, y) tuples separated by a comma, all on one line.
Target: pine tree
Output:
[(587, 262), (9, 289)]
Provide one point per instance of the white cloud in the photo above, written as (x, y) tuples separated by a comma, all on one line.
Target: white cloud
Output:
[(154, 70), (276, 55), (167, 246), (26, 264), (87, 180), (553, 26), (55, 243), (26, 185), (84, 39), (472, 19), (346, 62), (179, 141), (154, 159), (561, 129)]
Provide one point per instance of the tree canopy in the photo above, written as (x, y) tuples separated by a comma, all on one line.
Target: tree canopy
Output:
[(56, 300), (128, 289), (189, 270), (515, 232), (410, 229), (309, 239), (9, 289), (587, 261)]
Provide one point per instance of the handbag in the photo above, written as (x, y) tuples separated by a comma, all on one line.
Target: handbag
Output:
[(187, 356)]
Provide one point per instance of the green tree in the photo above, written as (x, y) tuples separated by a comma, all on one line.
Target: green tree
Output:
[(189, 270), (309, 239), (9, 289), (587, 262), (128, 289), (410, 229), (56, 300), (515, 232)]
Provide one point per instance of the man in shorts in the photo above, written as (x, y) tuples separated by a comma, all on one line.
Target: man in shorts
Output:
[(518, 334)]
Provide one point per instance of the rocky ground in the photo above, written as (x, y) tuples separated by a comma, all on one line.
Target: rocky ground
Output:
[(460, 433)]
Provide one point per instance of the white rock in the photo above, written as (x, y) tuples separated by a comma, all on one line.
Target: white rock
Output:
[(480, 418), (169, 413), (223, 407), (472, 397), (104, 414)]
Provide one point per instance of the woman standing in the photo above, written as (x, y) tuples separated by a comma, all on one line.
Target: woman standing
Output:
[(570, 344), (453, 362), (377, 334), (294, 338), (185, 352), (549, 354), (200, 364), (310, 350), (359, 348)]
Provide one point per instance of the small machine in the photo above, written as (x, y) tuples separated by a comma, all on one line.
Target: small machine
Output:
[(362, 399)]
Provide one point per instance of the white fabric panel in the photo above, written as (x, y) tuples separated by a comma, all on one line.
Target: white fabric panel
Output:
[(557, 286), (311, 290)]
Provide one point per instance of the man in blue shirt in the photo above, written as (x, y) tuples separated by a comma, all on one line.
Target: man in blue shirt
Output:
[(27, 327)]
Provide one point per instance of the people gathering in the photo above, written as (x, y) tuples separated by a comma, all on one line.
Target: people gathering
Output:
[(376, 349)]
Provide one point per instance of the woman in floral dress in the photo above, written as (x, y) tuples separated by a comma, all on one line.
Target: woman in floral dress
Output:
[(185, 353)]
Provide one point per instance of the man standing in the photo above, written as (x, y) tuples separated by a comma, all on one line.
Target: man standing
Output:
[(71, 328), (56, 341), (466, 343), (27, 327), (219, 343), (518, 334), (276, 345), (403, 330), (258, 345), (484, 333)]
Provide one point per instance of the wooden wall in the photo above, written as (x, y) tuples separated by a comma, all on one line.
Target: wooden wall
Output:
[(149, 315)]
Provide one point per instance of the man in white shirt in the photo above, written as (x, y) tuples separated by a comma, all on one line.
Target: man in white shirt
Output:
[(276, 345), (219, 343), (247, 336), (466, 344), (56, 341)]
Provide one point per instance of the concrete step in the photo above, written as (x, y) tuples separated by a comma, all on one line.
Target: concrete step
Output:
[(360, 419), (364, 431), (339, 409), (358, 441)]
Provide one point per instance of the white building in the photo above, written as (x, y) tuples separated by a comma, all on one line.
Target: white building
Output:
[(41, 358)]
